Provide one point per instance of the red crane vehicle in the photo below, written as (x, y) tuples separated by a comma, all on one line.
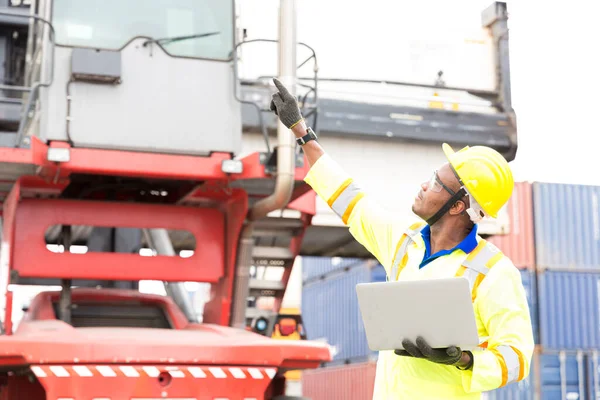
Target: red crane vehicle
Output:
[(120, 125)]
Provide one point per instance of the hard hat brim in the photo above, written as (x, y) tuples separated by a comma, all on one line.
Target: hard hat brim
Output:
[(448, 151)]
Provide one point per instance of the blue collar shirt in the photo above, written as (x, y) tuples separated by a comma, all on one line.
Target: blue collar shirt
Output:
[(467, 245)]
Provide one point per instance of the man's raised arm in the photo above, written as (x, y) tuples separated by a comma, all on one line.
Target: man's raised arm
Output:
[(369, 224)]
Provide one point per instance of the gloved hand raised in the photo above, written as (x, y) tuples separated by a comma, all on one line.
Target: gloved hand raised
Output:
[(448, 356), (284, 105)]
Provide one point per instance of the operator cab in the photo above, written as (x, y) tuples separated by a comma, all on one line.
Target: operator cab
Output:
[(140, 75)]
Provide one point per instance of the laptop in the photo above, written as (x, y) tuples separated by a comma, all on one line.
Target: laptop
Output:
[(439, 310)]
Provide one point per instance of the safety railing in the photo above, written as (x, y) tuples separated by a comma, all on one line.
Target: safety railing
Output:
[(262, 81), (34, 89)]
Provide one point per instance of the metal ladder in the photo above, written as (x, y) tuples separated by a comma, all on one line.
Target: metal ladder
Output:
[(277, 242)]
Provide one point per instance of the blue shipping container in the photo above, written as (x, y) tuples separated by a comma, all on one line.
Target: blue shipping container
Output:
[(593, 375), (331, 314), (568, 310), (567, 226), (529, 283), (318, 267), (563, 376)]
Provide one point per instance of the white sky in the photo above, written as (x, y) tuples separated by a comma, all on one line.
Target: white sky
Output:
[(555, 64)]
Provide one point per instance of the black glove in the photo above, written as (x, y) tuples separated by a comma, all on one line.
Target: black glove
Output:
[(448, 356), (285, 106)]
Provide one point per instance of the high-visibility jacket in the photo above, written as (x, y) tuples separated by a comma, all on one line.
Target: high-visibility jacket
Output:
[(499, 301)]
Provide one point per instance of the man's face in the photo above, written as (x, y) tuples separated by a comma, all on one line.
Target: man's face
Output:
[(433, 195)]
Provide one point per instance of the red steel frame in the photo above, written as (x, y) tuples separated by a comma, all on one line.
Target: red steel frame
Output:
[(136, 164), (216, 229), (53, 177), (34, 216), (216, 232)]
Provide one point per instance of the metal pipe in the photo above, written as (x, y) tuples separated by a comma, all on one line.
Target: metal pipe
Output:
[(160, 241), (563, 374), (580, 374), (29, 65), (15, 88), (64, 303), (284, 179), (595, 374), (242, 277)]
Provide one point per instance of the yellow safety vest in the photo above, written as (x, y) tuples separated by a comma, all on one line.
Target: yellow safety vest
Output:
[(499, 301)]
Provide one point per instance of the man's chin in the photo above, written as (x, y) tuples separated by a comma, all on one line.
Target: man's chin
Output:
[(415, 210)]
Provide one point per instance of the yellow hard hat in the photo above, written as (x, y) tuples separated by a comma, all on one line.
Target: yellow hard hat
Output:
[(484, 173)]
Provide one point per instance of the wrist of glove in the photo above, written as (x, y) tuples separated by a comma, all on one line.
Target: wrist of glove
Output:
[(421, 349), (285, 106)]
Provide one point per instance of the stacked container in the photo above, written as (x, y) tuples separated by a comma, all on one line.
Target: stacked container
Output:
[(566, 240), (554, 376), (330, 307), (348, 382), (561, 375), (518, 245), (319, 267), (554, 240)]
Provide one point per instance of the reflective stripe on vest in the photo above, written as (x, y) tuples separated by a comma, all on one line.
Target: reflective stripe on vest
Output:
[(344, 199), (511, 363), (401, 255), (478, 263), (475, 268)]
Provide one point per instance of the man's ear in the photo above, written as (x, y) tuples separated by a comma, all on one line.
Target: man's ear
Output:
[(458, 208)]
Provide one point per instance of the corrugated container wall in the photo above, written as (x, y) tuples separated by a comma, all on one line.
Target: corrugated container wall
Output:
[(348, 382), (593, 375), (331, 314), (518, 244), (318, 267), (567, 226), (563, 376), (568, 310), (530, 286)]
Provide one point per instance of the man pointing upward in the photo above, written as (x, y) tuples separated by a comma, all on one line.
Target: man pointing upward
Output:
[(474, 183)]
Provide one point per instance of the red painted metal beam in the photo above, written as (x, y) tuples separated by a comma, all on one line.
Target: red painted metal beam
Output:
[(35, 154), (218, 309), (31, 258), (9, 209), (149, 165)]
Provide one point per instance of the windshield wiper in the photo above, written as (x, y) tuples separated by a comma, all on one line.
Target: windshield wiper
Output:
[(179, 38)]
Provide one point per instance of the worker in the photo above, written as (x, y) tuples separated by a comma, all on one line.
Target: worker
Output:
[(475, 182)]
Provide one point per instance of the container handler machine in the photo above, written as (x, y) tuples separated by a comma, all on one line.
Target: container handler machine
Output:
[(120, 126)]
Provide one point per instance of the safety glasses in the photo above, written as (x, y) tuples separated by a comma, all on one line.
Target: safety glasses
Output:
[(436, 185)]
